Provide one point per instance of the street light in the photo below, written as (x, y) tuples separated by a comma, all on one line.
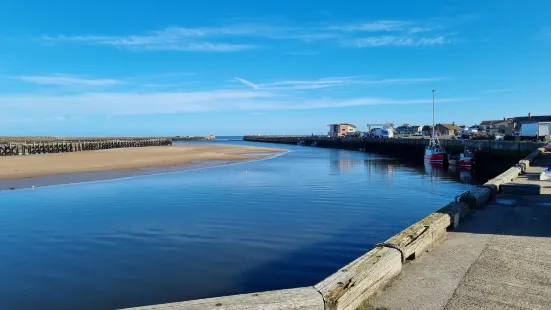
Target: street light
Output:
[(433, 112)]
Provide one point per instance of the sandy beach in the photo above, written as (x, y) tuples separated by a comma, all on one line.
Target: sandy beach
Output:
[(49, 169)]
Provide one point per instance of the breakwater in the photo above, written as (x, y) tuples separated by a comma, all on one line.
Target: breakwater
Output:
[(398, 146), (349, 286), (48, 147), (27, 139), (192, 138)]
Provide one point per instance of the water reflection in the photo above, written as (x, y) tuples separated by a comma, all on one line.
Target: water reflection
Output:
[(342, 161), (434, 169), (465, 174)]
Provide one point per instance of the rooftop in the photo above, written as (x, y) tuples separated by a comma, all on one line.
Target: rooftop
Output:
[(342, 124), (450, 126), (532, 119)]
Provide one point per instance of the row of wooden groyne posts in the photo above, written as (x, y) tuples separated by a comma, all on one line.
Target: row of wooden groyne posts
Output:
[(11, 146), (350, 286)]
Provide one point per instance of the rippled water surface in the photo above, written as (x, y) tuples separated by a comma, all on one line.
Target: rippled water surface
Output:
[(277, 223)]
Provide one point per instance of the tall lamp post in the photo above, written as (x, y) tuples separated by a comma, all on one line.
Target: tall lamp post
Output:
[(434, 90)]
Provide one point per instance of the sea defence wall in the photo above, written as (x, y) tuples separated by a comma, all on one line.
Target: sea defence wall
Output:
[(192, 138), (401, 145), (48, 147), (27, 139), (351, 285)]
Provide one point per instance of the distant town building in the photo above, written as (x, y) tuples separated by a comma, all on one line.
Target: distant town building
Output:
[(447, 129), (341, 130), (426, 130), (506, 126), (408, 129), (485, 125), (518, 121), (384, 129)]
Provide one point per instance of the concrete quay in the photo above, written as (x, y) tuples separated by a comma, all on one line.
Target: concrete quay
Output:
[(499, 258), (487, 249), (399, 145)]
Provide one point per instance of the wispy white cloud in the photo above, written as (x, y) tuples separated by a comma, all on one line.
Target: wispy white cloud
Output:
[(67, 80), (496, 91), (162, 40), (330, 82), (247, 83), (103, 103), (398, 41), (240, 37), (255, 98), (375, 26)]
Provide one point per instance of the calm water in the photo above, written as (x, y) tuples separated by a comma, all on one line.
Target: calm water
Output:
[(278, 223)]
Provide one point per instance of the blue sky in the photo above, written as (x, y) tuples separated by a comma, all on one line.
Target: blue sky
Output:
[(281, 67)]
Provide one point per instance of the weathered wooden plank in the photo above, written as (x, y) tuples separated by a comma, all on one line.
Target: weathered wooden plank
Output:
[(357, 281), (305, 298)]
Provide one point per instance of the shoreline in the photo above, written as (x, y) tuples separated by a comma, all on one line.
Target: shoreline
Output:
[(185, 158)]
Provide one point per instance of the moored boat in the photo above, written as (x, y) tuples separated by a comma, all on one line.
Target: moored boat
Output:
[(434, 152), (465, 159)]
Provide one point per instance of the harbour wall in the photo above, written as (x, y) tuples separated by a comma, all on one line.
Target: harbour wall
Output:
[(28, 139), (350, 286), (192, 138), (492, 158)]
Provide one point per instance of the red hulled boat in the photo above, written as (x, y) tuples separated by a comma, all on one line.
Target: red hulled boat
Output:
[(465, 159), (434, 152)]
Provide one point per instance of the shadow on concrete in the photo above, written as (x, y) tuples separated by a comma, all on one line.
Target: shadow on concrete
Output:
[(529, 216)]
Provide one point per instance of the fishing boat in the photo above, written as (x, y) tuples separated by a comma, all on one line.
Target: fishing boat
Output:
[(434, 152), (465, 159)]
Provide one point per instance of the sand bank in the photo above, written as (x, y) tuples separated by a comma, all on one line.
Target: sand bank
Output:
[(49, 169)]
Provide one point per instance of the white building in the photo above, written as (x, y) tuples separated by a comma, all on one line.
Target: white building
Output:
[(341, 130)]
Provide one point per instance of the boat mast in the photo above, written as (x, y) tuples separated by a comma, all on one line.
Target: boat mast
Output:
[(433, 113)]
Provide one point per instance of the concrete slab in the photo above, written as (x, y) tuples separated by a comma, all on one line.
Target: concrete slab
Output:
[(514, 269), (430, 281), (498, 259)]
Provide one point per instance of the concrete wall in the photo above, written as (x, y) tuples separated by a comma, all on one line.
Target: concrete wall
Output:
[(487, 146)]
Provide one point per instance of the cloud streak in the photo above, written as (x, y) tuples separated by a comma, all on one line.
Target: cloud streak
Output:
[(67, 80), (103, 103), (159, 41), (252, 97), (247, 83), (241, 37), (399, 41), (497, 91), (331, 82)]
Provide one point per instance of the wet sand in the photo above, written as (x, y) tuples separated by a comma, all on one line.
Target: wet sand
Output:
[(50, 169)]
